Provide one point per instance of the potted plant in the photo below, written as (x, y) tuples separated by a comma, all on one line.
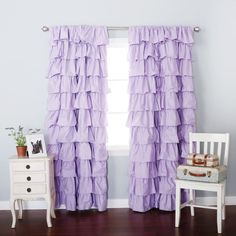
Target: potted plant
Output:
[(20, 139)]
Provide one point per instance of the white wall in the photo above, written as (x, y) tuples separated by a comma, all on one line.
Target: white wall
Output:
[(24, 58)]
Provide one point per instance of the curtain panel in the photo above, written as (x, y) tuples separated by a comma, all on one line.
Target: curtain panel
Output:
[(161, 112), (76, 121)]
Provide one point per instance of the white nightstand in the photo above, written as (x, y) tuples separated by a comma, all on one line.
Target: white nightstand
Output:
[(31, 179)]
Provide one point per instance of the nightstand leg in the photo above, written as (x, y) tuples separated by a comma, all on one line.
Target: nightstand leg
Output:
[(13, 212), (49, 202), (53, 206), (20, 206)]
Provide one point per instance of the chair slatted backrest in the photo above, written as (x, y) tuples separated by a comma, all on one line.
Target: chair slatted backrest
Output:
[(210, 143)]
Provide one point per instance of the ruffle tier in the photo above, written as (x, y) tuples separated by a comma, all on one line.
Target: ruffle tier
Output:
[(150, 118), (168, 48), (153, 152), (69, 193), (83, 151), (95, 35), (71, 101), (79, 67), (73, 50), (69, 134), (165, 67), (162, 134), (159, 101), (83, 168), (154, 84), (82, 118), (148, 186), (164, 202), (166, 118), (154, 34), (157, 151), (150, 170), (67, 84)]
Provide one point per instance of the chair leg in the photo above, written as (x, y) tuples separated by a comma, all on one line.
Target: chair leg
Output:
[(177, 206), (223, 202), (192, 199), (219, 210)]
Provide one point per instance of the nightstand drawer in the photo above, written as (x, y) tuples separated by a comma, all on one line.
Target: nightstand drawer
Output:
[(28, 166), (28, 178), (29, 189)]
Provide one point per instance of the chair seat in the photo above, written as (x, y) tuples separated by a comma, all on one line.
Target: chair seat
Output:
[(189, 184)]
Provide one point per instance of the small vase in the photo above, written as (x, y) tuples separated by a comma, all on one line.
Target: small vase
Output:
[(21, 151)]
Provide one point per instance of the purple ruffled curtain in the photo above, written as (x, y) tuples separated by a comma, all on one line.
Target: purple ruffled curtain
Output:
[(76, 121), (161, 112)]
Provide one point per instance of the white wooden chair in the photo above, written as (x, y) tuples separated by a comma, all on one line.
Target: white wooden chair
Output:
[(210, 143)]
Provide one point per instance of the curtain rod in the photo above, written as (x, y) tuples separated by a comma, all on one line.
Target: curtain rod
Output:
[(46, 28)]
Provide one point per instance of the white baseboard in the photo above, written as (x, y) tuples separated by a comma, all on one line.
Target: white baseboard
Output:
[(116, 203), (41, 204), (229, 200)]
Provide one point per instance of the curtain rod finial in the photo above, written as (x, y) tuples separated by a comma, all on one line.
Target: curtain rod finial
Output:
[(197, 29), (45, 28)]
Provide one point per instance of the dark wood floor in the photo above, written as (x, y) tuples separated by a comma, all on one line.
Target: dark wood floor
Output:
[(118, 222)]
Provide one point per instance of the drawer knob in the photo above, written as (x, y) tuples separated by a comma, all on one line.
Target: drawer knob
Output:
[(27, 166), (28, 178), (28, 190)]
